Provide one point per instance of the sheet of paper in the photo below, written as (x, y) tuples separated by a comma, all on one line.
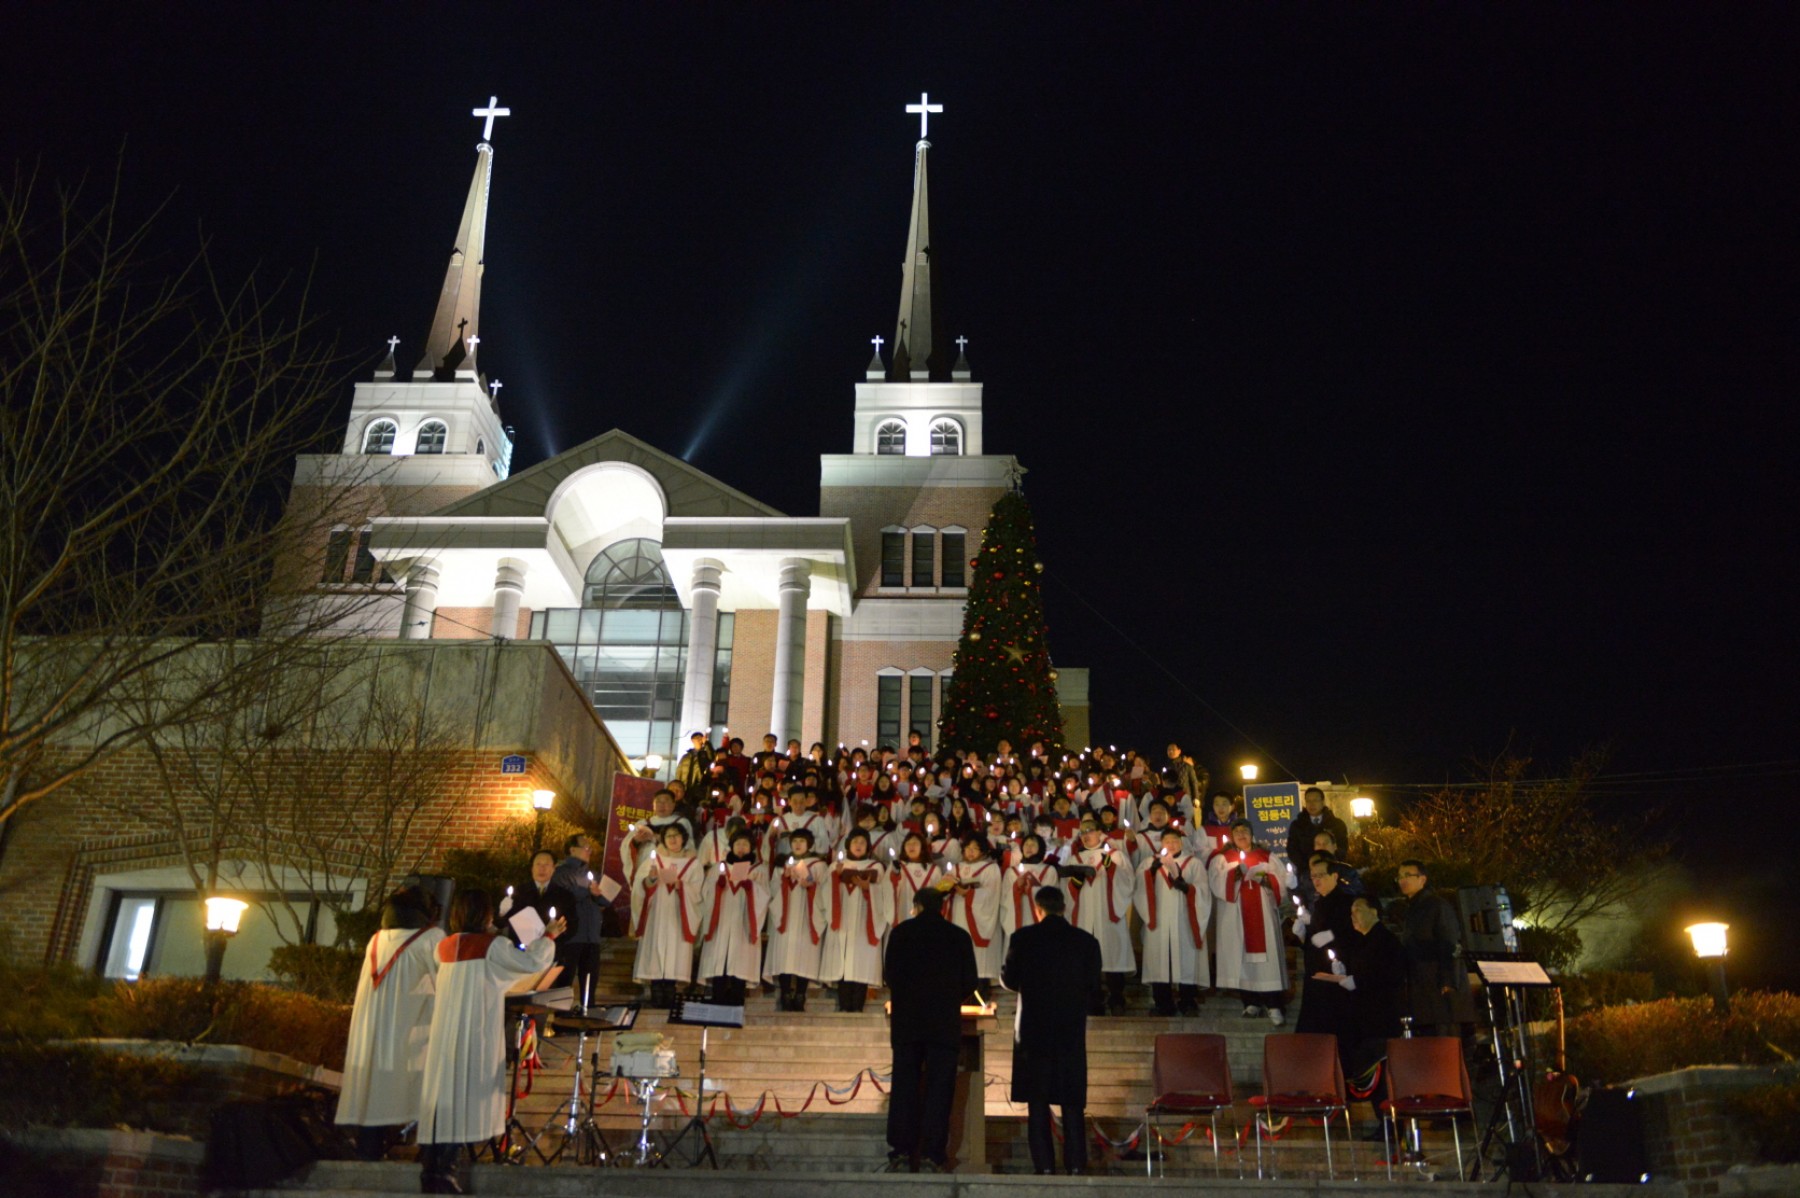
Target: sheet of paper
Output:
[(669, 875), (739, 871), (609, 888), (526, 923)]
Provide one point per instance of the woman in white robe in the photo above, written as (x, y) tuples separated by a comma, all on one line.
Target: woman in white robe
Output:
[(463, 1091), (915, 871), (665, 915), (940, 845), (1102, 907), (794, 929), (1248, 892), (855, 908), (974, 906), (384, 1060), (737, 899), (1173, 899), (1027, 874)]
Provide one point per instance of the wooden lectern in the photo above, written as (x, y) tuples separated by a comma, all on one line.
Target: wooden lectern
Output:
[(968, 1111)]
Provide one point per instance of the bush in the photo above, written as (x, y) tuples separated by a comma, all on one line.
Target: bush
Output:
[(1770, 1116), (1583, 992), (78, 1086), (266, 1017), (1618, 1043), (320, 970), (55, 1002)]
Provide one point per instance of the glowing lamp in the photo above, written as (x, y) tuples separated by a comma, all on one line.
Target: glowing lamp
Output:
[(1708, 938), (1247, 772), (653, 762), (541, 799), (224, 914), (1362, 807)]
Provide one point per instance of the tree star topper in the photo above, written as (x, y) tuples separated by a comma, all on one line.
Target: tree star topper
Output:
[(490, 112), (924, 108)]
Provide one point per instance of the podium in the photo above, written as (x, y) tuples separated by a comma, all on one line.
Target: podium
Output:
[(968, 1110)]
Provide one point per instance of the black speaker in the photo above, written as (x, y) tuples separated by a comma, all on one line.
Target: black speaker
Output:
[(1609, 1139), (1487, 919)]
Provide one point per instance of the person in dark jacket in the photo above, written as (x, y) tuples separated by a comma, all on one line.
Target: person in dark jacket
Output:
[(1431, 935), (930, 969), (541, 892), (1055, 970), (578, 952), (1325, 931), (1314, 817), (1375, 969)]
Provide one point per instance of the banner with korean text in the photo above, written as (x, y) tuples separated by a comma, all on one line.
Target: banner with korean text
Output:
[(630, 804), (1271, 807)]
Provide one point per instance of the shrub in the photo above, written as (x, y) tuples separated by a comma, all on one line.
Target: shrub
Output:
[(1618, 1043), (1583, 992), (78, 1086), (1770, 1116), (54, 1002), (266, 1017), (318, 969)]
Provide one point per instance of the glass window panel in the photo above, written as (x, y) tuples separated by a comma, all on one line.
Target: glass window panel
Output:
[(887, 709), (337, 555), (431, 437), (924, 555), (893, 559), (955, 560), (919, 717), (129, 948), (561, 625)]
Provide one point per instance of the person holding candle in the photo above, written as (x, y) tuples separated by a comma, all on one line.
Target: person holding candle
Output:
[(1251, 954), (1324, 930), (665, 914), (578, 952), (975, 906), (1174, 903), (793, 928), (1027, 873), (1100, 890), (737, 901), (854, 907)]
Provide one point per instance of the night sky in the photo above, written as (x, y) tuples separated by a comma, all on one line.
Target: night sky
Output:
[(1395, 384)]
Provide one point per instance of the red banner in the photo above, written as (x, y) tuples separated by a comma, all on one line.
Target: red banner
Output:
[(630, 805)]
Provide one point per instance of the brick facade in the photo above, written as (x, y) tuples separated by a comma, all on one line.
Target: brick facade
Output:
[(1690, 1133), (870, 509)]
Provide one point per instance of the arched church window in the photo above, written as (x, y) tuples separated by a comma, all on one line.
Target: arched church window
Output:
[(480, 445), (379, 436), (432, 435), (890, 438), (946, 437)]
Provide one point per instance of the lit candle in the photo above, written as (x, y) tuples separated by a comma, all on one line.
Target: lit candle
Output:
[(553, 915), (509, 892), (590, 875)]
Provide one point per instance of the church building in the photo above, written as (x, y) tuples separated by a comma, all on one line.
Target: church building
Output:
[(678, 602)]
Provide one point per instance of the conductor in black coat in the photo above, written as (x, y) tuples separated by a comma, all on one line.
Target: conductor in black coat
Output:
[(1055, 970), (930, 969)]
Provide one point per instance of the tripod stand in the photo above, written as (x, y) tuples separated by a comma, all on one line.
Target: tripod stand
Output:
[(705, 1016)]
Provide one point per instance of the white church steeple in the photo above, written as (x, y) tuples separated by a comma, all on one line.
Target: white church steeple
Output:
[(456, 326)]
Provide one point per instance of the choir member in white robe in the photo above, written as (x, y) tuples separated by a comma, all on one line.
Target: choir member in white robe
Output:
[(384, 1059), (913, 872), (1173, 898), (737, 900), (974, 907), (776, 846), (1027, 872), (940, 846), (715, 845), (1248, 891), (1101, 907), (855, 909), (795, 931), (463, 1091), (665, 915), (646, 834)]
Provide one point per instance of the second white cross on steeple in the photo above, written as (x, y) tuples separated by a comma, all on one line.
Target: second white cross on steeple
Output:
[(490, 112), (924, 108)]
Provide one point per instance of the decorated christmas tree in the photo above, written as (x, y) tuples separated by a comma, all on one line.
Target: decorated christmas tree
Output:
[(1002, 686)]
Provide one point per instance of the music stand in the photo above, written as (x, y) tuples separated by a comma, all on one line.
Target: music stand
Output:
[(1511, 975), (704, 1016)]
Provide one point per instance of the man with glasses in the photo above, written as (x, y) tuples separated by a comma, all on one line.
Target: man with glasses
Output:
[(1429, 933)]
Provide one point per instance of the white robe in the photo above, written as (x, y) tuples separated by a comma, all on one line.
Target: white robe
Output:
[(977, 912), (907, 879), (384, 1060), (714, 847), (775, 845), (793, 945), (1175, 949), (1089, 911), (1022, 881), (463, 1096), (1240, 970), (845, 951), (666, 919), (731, 917)]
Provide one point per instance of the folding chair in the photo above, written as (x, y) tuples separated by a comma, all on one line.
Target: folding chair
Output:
[(1426, 1079), (1190, 1075), (1302, 1076)]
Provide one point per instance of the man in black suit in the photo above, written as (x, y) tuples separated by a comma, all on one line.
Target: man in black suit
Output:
[(1055, 970), (930, 969)]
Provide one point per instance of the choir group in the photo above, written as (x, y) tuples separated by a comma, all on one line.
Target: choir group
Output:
[(788, 869)]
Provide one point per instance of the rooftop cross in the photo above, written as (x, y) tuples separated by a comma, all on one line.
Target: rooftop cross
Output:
[(474, 340), (490, 112), (924, 108), (962, 344), (494, 390), (878, 342), (393, 344)]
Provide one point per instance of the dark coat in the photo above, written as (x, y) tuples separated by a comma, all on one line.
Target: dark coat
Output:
[(1300, 840), (526, 894), (585, 912), (1431, 937), (1378, 964), (1327, 1006), (1055, 970), (930, 970)]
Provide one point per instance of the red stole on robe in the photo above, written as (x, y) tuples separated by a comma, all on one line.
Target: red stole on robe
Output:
[(687, 932), (1249, 899), (839, 886), (787, 888), (968, 899), (725, 885), (378, 973), (464, 946), (1156, 875)]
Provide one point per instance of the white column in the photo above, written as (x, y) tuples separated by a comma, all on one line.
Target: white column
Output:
[(703, 649), (790, 648), (509, 588), (421, 601)]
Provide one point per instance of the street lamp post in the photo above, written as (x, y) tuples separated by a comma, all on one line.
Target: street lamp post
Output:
[(1710, 946), (223, 916), (540, 805), (1247, 772)]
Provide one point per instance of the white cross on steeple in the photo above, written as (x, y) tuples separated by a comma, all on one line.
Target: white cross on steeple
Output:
[(878, 342), (490, 112), (474, 340), (393, 344), (494, 390), (962, 343), (924, 108)]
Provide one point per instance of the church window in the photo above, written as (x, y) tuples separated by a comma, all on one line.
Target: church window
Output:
[(919, 715), (432, 435), (946, 438), (480, 445), (954, 560), (924, 558), (893, 559), (887, 709), (367, 568), (890, 438), (337, 555), (721, 696), (379, 437)]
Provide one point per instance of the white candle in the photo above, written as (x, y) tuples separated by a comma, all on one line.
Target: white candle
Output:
[(553, 915), (509, 892), (590, 875)]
